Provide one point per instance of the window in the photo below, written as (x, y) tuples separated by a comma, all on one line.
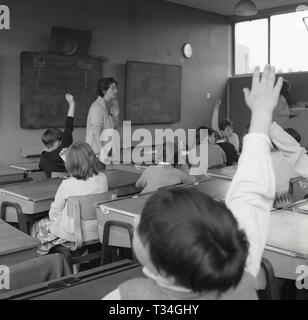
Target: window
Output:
[(287, 48), (251, 42), (289, 42)]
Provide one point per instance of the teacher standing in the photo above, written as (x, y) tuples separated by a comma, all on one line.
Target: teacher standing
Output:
[(103, 114)]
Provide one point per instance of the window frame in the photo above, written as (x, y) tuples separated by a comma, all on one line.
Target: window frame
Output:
[(266, 14)]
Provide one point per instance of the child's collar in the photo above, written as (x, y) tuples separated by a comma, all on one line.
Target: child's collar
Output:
[(162, 282)]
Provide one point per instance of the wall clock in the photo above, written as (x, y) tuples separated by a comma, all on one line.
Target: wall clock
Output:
[(187, 50)]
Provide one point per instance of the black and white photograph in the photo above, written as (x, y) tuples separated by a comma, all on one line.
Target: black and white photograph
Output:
[(153, 152)]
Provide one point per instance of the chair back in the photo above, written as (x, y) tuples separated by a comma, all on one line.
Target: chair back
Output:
[(82, 210), (267, 289)]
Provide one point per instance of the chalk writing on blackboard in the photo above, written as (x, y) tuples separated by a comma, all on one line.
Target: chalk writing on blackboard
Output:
[(39, 64), (85, 66)]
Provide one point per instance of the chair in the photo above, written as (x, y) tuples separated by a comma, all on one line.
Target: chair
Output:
[(107, 254), (83, 211), (267, 285)]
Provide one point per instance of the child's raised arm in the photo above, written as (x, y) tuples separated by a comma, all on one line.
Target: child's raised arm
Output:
[(290, 148), (215, 116), (252, 190), (71, 110)]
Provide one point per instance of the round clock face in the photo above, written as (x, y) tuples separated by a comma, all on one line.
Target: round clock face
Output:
[(187, 50)]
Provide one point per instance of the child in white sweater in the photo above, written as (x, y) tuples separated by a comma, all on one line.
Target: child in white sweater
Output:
[(82, 167)]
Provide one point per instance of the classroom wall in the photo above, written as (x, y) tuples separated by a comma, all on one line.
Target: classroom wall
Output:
[(151, 30), (240, 114)]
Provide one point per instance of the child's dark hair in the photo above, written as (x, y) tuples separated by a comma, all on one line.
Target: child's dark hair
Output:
[(104, 84), (50, 136), (210, 133), (223, 124), (292, 132), (194, 239), (81, 162)]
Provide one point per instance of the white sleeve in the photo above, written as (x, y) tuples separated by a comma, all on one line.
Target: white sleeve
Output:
[(251, 195), (290, 148)]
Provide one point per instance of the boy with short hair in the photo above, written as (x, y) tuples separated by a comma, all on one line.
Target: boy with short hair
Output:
[(193, 247), (226, 130), (55, 140), (224, 127)]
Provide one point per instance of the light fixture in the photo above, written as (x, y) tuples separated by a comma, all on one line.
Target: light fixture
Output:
[(245, 8)]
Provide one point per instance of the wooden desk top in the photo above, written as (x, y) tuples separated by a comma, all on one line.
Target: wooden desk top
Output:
[(34, 191), (288, 230), (7, 171), (12, 240), (28, 166), (215, 188), (128, 206), (93, 284), (226, 172)]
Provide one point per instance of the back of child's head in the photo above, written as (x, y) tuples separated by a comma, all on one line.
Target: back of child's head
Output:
[(81, 162), (50, 136), (194, 239), (223, 124), (292, 132)]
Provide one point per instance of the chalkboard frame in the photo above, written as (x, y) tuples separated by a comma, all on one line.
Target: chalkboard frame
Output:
[(129, 114)]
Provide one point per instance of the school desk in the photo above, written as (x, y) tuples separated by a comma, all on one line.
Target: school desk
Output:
[(11, 175), (225, 172), (35, 198), (15, 246), (93, 284), (126, 209), (31, 169), (287, 245)]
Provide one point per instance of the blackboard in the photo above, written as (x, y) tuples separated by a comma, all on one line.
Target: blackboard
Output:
[(46, 78), (153, 93)]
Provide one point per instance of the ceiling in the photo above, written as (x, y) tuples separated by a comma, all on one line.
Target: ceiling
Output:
[(225, 7)]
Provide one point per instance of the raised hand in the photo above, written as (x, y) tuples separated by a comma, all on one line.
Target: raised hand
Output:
[(264, 93), (217, 103), (69, 98), (262, 99)]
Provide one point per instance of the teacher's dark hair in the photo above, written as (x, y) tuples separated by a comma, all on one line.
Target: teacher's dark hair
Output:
[(104, 84)]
